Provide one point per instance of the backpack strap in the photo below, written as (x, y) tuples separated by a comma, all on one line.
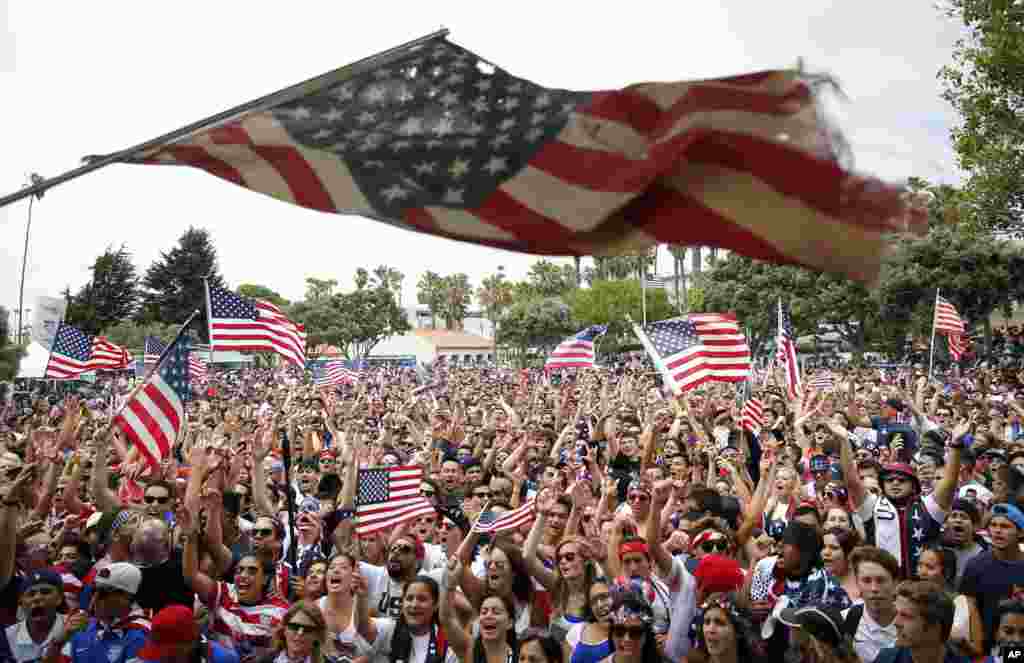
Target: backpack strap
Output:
[(852, 620)]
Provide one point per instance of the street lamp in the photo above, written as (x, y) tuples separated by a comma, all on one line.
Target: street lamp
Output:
[(34, 179)]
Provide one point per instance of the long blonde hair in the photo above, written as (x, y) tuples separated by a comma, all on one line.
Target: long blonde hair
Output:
[(311, 610)]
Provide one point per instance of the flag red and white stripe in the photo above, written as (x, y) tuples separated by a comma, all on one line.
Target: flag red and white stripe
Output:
[(957, 345), (745, 163), (752, 415), (786, 351), (494, 523), (197, 368), (947, 318), (577, 351), (697, 348), (389, 496), (74, 352), (253, 325), (822, 381)]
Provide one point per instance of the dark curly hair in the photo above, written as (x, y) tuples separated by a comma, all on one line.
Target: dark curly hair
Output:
[(739, 617)]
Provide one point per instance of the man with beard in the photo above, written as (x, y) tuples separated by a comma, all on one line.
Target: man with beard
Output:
[(404, 563), (958, 533), (996, 574), (42, 595), (900, 520)]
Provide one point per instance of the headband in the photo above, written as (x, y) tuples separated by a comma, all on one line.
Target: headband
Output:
[(706, 535), (633, 547)]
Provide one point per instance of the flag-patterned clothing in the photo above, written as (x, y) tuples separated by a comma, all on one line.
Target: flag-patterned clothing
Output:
[(698, 348), (490, 522), (154, 414), (437, 141), (74, 352), (245, 627), (785, 352), (752, 416), (388, 496), (152, 349), (334, 373), (241, 323), (577, 351)]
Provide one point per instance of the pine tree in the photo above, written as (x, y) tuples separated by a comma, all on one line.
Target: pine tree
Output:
[(173, 285), (111, 296)]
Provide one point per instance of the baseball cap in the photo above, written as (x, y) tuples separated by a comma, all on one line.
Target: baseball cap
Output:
[(170, 627), (42, 577), (121, 576)]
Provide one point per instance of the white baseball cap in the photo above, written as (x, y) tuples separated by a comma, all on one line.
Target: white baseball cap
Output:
[(121, 576)]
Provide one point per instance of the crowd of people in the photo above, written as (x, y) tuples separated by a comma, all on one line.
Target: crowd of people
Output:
[(877, 520)]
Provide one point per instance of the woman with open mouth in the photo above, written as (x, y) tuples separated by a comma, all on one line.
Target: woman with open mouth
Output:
[(723, 632), (417, 635), (338, 608)]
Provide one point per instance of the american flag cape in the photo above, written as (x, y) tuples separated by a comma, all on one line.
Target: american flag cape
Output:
[(785, 352), (153, 415), (752, 416), (438, 141), (152, 348), (490, 522), (253, 325), (577, 351), (334, 373), (74, 352), (388, 496), (697, 348)]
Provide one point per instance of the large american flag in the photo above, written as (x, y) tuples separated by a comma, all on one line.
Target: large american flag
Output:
[(389, 496), (752, 415), (949, 322), (490, 522), (438, 141), (785, 352), (696, 349), (253, 325), (74, 352), (153, 415), (152, 348), (577, 351), (334, 373)]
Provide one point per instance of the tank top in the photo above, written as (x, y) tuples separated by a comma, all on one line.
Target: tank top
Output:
[(583, 652)]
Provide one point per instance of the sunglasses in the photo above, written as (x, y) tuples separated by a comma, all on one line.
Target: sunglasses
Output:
[(483, 496), (263, 533), (567, 557), (720, 545), (632, 632), (295, 627), (153, 499), (639, 497)]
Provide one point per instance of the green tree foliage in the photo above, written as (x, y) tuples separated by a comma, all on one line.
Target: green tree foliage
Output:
[(356, 321), (457, 297), (173, 285), (132, 335), (547, 279), (389, 278), (430, 292), (609, 302), (257, 291), (10, 354), (629, 266), (537, 324), (495, 295), (317, 289), (985, 85), (111, 295)]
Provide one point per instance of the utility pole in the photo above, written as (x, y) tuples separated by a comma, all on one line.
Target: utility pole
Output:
[(34, 179)]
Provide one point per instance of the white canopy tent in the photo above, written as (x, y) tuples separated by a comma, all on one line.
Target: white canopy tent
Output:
[(33, 364)]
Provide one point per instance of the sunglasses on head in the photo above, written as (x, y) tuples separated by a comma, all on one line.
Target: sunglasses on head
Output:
[(719, 545), (153, 499), (632, 632)]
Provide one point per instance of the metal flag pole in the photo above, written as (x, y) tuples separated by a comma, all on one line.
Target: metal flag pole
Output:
[(643, 294), (273, 99), (209, 318), (931, 351), (34, 179)]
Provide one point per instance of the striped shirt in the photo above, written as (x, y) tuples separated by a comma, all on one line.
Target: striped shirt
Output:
[(243, 627)]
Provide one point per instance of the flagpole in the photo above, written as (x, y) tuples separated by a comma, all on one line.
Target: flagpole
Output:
[(283, 95), (209, 317), (931, 351), (653, 354), (643, 294)]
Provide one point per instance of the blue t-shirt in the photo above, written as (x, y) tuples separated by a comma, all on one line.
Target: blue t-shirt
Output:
[(114, 646)]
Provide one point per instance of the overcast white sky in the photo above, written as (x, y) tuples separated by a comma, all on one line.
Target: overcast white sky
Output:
[(92, 78)]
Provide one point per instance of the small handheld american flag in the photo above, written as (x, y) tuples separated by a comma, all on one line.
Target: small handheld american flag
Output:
[(490, 522), (388, 496), (577, 351)]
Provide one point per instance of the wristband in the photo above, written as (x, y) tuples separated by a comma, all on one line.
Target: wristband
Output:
[(345, 514)]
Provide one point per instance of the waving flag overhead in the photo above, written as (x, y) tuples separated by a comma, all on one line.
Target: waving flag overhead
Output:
[(388, 496), (154, 413), (786, 352), (696, 349), (152, 349), (958, 344), (240, 323), (576, 351), (436, 140), (752, 415), (197, 369), (490, 522), (74, 352), (334, 373), (947, 318)]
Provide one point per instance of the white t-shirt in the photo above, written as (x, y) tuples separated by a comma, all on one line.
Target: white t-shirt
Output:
[(380, 649), (385, 593)]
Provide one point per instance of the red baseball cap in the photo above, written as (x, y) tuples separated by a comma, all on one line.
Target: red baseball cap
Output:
[(171, 627)]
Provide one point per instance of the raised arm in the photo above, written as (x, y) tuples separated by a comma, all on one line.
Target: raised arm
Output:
[(533, 564), (652, 527)]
